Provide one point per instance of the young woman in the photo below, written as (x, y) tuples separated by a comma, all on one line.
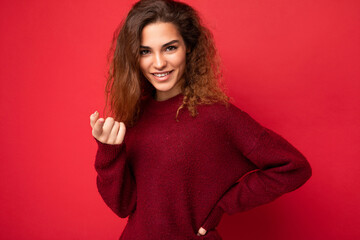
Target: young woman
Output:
[(177, 155)]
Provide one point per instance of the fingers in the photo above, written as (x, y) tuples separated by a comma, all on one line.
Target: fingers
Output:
[(121, 133), (113, 133), (93, 118), (98, 128), (117, 133), (107, 131), (201, 232)]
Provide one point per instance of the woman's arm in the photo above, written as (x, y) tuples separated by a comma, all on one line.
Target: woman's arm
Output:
[(281, 169), (115, 181)]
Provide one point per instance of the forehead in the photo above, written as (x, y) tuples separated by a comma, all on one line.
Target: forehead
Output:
[(159, 33)]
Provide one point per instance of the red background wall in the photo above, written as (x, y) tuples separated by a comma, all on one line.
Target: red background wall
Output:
[(293, 65)]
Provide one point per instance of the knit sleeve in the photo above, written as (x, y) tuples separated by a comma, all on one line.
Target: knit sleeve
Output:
[(115, 181), (281, 168)]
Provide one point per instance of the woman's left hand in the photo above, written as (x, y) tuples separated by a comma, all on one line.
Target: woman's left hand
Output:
[(201, 232)]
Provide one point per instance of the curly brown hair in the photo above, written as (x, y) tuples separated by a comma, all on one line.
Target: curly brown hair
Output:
[(126, 86)]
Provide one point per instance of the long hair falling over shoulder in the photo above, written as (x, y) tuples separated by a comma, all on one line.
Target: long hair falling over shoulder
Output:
[(126, 86)]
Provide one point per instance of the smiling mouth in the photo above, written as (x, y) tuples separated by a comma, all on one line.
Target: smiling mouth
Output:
[(162, 74)]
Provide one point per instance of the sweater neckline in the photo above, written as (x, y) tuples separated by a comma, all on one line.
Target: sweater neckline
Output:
[(169, 105)]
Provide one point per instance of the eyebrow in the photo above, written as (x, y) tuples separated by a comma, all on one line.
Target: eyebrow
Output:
[(166, 44)]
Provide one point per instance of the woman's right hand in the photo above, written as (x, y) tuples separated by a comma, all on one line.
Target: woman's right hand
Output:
[(107, 131)]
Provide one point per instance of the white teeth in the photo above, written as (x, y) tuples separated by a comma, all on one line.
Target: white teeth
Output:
[(161, 75)]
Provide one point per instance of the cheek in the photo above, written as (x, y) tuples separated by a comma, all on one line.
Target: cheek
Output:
[(143, 65), (179, 60)]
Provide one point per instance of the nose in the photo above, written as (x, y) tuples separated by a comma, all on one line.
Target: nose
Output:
[(159, 61)]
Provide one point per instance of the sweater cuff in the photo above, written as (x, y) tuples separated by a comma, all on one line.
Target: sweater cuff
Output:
[(213, 219), (106, 153)]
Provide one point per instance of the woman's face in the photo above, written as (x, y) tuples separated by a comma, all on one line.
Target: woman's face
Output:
[(163, 58)]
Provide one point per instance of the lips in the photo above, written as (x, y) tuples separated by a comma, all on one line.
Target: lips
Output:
[(162, 76)]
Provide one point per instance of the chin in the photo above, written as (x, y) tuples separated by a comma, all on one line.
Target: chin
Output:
[(164, 88)]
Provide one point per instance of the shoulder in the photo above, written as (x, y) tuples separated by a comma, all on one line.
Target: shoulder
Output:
[(239, 128), (231, 119)]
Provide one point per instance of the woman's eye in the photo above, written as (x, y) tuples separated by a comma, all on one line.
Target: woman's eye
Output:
[(171, 48), (144, 52)]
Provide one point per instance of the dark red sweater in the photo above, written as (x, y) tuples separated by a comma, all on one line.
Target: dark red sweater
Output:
[(171, 178)]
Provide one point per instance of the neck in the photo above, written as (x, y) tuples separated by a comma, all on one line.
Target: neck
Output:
[(162, 96), (159, 96)]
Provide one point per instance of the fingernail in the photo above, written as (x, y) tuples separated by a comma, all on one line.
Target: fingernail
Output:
[(95, 112)]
